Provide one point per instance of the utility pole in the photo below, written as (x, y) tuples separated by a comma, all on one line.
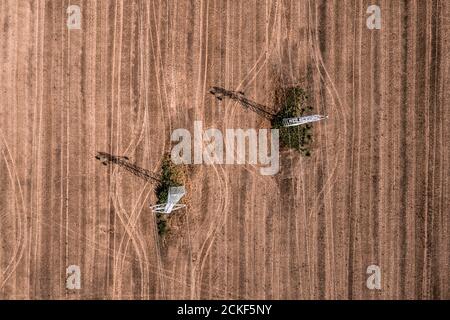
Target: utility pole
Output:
[(123, 162), (239, 96)]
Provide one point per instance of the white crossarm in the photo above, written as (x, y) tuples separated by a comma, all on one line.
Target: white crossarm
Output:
[(290, 122), (175, 194)]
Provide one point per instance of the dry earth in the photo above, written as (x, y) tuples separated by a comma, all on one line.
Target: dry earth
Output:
[(375, 191)]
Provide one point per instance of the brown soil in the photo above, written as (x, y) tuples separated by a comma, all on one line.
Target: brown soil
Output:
[(375, 191)]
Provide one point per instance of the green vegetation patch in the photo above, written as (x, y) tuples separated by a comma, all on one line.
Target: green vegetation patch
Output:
[(171, 176), (294, 103)]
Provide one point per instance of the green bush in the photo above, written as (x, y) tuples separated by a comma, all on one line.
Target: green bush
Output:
[(294, 103), (161, 222), (171, 176)]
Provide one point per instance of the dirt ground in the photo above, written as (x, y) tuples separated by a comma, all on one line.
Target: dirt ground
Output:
[(375, 190)]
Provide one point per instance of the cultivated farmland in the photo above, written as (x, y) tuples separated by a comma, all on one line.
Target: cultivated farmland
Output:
[(375, 190)]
